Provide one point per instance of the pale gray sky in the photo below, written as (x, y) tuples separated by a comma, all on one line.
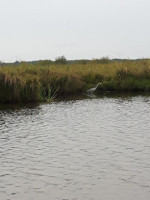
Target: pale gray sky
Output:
[(45, 29)]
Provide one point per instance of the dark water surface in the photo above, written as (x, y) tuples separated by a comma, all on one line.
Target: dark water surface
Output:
[(90, 149)]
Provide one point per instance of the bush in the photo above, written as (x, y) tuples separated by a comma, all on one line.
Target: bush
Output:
[(61, 60)]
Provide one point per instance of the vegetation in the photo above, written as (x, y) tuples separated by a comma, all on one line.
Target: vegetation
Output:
[(46, 80), (61, 60)]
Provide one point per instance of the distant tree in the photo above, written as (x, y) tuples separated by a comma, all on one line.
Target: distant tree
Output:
[(105, 60), (16, 62), (61, 60)]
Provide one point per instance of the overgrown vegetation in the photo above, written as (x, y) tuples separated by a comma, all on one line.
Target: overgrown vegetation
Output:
[(45, 80)]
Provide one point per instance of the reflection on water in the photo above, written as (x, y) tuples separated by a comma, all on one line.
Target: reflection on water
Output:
[(86, 149)]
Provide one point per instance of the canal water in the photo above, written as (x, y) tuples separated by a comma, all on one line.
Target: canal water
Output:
[(88, 149)]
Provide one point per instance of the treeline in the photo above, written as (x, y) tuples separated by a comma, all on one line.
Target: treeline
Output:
[(63, 61)]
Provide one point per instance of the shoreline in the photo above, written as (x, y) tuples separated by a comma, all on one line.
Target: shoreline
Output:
[(26, 83)]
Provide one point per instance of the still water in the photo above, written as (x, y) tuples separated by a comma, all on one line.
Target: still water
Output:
[(89, 149)]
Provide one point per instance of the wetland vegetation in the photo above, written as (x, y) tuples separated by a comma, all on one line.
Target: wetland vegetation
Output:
[(45, 80)]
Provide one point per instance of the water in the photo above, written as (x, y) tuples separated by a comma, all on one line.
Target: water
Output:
[(88, 149)]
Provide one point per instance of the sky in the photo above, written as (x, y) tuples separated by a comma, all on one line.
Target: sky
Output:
[(77, 29)]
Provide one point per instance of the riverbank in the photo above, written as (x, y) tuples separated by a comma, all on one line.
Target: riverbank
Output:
[(35, 83)]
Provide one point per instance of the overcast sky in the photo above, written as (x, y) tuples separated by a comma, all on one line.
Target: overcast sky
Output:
[(45, 29)]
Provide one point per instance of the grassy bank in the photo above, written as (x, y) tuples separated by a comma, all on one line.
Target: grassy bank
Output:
[(41, 82)]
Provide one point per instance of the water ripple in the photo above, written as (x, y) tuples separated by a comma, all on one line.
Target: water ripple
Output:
[(85, 149)]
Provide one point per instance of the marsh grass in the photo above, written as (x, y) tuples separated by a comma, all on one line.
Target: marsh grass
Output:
[(44, 82)]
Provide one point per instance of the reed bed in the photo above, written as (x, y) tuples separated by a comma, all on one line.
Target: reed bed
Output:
[(32, 83)]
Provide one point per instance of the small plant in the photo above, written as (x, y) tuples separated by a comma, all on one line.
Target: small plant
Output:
[(50, 94)]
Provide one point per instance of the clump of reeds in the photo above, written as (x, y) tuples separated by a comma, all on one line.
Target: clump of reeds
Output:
[(130, 76)]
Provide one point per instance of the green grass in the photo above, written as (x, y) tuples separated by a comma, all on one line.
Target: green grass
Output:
[(46, 81)]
